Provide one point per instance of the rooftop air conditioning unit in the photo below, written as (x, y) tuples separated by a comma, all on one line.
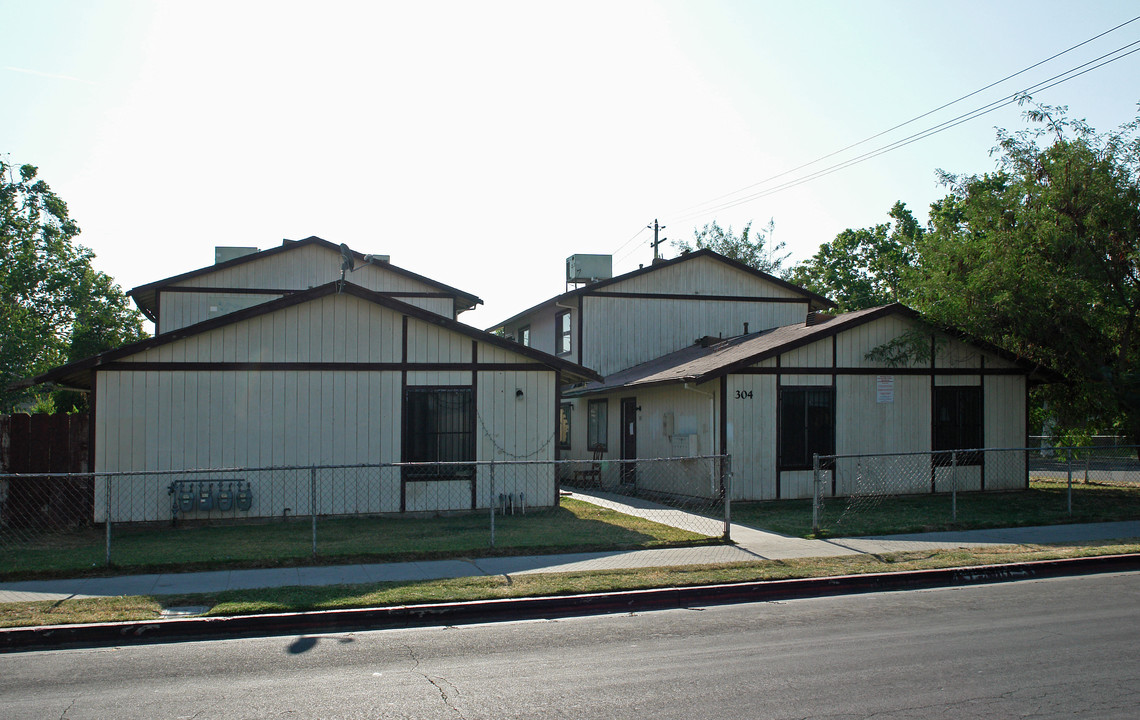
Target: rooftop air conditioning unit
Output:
[(589, 268)]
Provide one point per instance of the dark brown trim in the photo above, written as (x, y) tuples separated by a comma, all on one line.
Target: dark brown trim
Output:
[(982, 385), (779, 427), (834, 411), (723, 419), (404, 340), (1025, 456), (403, 410), (872, 371), (285, 246), (287, 291), (557, 425), (315, 366), (933, 424), (695, 296), (92, 399), (581, 331), (594, 287), (474, 421), (228, 290)]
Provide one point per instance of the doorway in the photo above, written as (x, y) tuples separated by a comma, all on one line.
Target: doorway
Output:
[(629, 442)]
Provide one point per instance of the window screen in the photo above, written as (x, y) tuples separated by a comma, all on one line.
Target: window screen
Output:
[(440, 429), (958, 423), (807, 425)]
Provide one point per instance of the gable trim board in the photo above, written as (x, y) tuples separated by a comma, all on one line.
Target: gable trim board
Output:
[(147, 297)]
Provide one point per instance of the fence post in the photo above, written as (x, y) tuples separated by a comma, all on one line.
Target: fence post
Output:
[(313, 504), (954, 485), (107, 520), (492, 504), (1070, 481), (1088, 460), (815, 501), (726, 493)]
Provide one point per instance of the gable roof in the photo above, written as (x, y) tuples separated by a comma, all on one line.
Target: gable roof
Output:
[(77, 373), (697, 364), (815, 301), (144, 295)]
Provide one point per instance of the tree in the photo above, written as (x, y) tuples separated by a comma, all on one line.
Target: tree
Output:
[(754, 249), (1042, 257), (54, 307), (866, 267)]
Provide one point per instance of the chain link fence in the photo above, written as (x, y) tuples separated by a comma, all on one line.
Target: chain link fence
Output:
[(387, 511), (850, 485)]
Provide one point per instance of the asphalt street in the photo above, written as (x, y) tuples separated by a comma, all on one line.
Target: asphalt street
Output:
[(1041, 648)]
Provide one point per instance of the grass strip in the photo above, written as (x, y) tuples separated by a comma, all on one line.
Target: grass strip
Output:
[(296, 599), (574, 526), (1046, 502)]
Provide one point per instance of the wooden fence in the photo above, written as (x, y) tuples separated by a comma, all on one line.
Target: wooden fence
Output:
[(45, 444)]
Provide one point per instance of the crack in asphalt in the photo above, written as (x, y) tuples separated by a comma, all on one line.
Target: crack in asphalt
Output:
[(437, 685), (67, 709)]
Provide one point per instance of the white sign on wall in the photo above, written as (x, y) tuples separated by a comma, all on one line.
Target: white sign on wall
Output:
[(885, 389)]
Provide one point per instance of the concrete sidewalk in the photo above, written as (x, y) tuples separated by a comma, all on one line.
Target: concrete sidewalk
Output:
[(751, 545)]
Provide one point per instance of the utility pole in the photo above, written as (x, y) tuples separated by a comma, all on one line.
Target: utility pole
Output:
[(656, 239)]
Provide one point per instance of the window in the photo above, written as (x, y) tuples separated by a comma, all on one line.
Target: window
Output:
[(562, 332), (597, 425), (524, 335), (440, 429), (807, 425), (564, 425), (958, 423)]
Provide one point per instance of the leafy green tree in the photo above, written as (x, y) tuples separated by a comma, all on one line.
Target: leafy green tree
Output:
[(54, 307), (866, 267), (1042, 257), (754, 249)]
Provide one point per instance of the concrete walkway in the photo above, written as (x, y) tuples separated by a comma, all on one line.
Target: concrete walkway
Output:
[(750, 545)]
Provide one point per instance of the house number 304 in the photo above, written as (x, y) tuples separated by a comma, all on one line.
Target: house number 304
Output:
[(741, 394)]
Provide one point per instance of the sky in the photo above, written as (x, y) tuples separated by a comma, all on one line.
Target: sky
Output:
[(482, 143)]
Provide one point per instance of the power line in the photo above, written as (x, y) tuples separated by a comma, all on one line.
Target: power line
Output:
[(941, 127), (903, 124), (627, 242)]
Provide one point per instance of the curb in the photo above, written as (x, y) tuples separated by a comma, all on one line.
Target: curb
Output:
[(436, 614)]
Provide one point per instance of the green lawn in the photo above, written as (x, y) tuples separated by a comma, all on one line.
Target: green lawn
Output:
[(574, 526), (1044, 503)]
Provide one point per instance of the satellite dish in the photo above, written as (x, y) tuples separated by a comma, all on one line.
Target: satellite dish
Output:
[(347, 261)]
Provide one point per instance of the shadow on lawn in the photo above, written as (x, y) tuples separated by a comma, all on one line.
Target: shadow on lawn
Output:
[(574, 527)]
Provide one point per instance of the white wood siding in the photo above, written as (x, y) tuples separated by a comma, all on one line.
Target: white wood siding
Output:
[(619, 333), (863, 425), (623, 332), (542, 336), (694, 412), (180, 418), (705, 276), (751, 432), (299, 268)]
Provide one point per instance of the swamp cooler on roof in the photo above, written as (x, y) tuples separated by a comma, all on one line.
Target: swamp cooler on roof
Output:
[(583, 268)]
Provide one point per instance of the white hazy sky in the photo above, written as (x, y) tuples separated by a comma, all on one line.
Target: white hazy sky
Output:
[(481, 143)]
